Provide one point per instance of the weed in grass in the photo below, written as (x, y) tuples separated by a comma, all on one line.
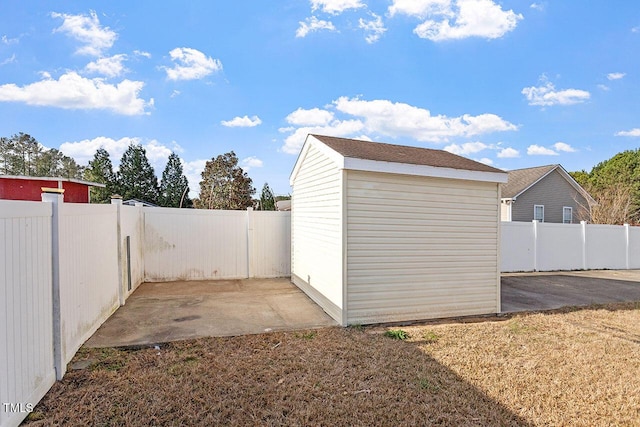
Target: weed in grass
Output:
[(428, 385), (35, 416), (357, 327), (430, 337), (396, 334), (309, 335), (113, 365), (516, 327)]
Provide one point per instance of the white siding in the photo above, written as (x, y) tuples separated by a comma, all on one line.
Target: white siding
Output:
[(316, 217), (26, 354), (420, 247)]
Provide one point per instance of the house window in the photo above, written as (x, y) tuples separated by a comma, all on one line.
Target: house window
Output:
[(567, 215), (538, 213)]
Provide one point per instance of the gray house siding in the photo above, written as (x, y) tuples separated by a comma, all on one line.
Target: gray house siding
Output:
[(552, 191)]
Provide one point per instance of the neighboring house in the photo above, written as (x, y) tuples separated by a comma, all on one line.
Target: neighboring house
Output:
[(283, 205), (30, 188), (389, 233), (544, 193)]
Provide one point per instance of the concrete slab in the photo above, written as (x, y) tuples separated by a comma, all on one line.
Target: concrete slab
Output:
[(170, 311), (547, 291)]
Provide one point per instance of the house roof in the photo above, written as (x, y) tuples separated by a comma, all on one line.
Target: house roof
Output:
[(383, 152), (56, 179), (353, 154), (520, 180)]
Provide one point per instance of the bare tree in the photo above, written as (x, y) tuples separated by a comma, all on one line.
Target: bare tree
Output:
[(611, 205)]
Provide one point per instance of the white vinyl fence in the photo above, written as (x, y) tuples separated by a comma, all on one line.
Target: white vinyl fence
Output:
[(533, 246), (198, 244), (66, 267), (26, 314)]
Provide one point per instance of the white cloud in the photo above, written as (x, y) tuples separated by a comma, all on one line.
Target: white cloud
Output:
[(313, 24), (88, 31), (538, 6), (404, 120), (142, 53), (616, 76), (83, 151), (72, 91), (386, 118), (242, 122), (537, 150), (603, 87), (632, 132), (312, 117), (174, 93), (110, 67), (9, 60), (547, 95), (335, 7), (374, 28), (191, 64), (6, 40), (561, 146), (486, 161), (193, 171), (250, 163), (466, 148), (459, 19), (508, 153), (421, 8)]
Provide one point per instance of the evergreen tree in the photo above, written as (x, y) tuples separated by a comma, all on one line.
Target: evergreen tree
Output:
[(225, 185), (267, 201), (174, 187), (22, 154), (100, 170), (136, 178)]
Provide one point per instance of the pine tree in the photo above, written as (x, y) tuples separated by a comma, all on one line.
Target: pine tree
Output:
[(174, 187), (267, 200), (136, 178), (225, 185), (100, 170)]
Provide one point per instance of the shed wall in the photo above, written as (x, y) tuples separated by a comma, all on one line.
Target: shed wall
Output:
[(316, 231), (420, 247)]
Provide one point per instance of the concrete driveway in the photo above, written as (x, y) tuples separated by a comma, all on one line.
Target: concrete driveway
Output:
[(170, 311), (547, 291)]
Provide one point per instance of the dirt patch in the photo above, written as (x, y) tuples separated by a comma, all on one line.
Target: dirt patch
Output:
[(577, 368)]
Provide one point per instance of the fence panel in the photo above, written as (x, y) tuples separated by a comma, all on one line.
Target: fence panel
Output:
[(26, 341), (195, 244), (132, 266), (559, 247), (634, 247), (606, 246), (270, 244), (88, 271), (517, 246)]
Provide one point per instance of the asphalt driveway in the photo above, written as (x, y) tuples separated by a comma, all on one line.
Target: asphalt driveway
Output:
[(547, 291)]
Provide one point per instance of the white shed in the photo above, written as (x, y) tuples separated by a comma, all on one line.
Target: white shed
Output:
[(384, 233)]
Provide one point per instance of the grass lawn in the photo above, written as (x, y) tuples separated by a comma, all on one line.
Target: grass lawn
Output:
[(563, 368)]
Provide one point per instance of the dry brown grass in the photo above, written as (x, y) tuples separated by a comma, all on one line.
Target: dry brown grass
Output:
[(571, 368)]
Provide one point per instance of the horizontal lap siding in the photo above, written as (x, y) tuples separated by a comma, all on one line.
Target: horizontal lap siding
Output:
[(420, 247), (316, 230)]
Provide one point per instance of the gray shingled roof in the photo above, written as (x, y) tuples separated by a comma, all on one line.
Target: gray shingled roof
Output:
[(402, 154), (521, 179)]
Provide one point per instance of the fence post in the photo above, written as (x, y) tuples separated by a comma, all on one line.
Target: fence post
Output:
[(55, 196), (583, 225), (535, 245), (626, 242), (117, 200), (249, 242)]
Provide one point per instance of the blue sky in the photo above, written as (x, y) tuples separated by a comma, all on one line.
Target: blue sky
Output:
[(510, 83)]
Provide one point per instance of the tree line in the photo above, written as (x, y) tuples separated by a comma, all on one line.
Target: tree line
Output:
[(224, 184)]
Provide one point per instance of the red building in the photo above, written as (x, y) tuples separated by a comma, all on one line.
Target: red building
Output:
[(30, 188)]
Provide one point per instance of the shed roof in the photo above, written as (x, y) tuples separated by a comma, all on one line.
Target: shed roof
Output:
[(353, 154), (520, 180), (384, 152)]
